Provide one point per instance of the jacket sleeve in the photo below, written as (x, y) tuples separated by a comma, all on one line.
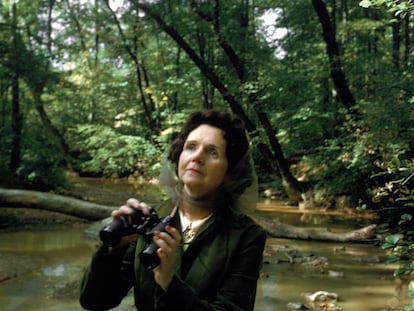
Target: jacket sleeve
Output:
[(108, 278), (238, 289)]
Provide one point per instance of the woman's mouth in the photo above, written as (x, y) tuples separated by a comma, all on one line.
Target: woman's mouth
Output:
[(193, 170)]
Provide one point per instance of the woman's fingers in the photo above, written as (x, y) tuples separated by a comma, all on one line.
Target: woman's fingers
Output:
[(172, 235), (123, 210), (134, 203), (129, 207), (168, 241)]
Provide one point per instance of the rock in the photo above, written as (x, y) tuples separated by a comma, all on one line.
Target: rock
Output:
[(270, 193), (367, 259), (280, 254), (329, 307), (321, 300), (320, 296), (296, 306), (339, 249), (335, 274)]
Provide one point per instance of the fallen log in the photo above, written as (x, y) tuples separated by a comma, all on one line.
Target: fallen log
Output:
[(281, 230), (53, 202), (92, 211)]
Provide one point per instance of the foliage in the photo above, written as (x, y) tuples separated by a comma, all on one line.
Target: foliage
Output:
[(42, 166), (103, 88), (396, 210), (108, 82), (106, 152), (396, 7)]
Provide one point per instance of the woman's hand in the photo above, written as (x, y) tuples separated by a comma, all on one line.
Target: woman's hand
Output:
[(128, 209), (168, 243)]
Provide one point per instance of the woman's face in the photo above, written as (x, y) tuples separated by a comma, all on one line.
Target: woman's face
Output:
[(202, 165)]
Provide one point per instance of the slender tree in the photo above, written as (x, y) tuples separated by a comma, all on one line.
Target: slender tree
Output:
[(396, 42), (38, 73), (332, 50), (15, 73), (141, 74)]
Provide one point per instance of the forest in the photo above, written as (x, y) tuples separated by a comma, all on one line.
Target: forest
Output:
[(325, 89)]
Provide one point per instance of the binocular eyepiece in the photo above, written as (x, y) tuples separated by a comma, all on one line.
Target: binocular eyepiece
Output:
[(148, 256), (137, 223)]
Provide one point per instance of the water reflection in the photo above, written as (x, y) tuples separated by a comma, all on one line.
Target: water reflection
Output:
[(41, 241), (62, 253), (365, 286), (57, 270)]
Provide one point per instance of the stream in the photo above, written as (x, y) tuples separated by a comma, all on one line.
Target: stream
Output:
[(56, 258)]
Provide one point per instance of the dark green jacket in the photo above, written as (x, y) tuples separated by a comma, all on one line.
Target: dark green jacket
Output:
[(218, 271)]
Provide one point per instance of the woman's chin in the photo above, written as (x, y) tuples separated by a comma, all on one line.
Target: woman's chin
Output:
[(196, 194), (200, 193)]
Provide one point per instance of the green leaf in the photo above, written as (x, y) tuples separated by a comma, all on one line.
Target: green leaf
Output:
[(405, 218), (365, 3), (393, 239), (393, 259)]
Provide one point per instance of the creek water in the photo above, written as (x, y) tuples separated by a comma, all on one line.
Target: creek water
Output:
[(365, 282)]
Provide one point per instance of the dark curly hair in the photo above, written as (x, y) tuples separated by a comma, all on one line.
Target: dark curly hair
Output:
[(232, 126)]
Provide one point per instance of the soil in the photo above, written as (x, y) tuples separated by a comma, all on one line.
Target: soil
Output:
[(14, 265)]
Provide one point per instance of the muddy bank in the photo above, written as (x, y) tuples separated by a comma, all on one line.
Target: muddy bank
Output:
[(13, 219), (12, 266), (100, 191), (25, 219)]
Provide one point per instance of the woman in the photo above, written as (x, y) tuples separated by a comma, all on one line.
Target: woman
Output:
[(211, 255)]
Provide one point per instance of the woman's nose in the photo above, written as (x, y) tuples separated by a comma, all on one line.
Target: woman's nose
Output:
[(198, 155)]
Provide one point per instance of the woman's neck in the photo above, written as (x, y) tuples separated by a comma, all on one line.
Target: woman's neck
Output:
[(195, 208), (194, 211)]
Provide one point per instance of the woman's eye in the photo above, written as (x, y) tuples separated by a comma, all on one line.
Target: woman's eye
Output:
[(212, 152), (190, 147)]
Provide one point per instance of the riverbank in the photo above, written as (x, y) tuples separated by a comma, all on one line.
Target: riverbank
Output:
[(14, 219), (359, 276), (96, 190), (30, 220), (101, 191)]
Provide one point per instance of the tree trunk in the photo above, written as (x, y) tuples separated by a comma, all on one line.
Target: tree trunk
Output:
[(280, 230), (47, 123), (132, 50), (396, 42), (53, 202), (16, 115), (95, 212), (407, 43), (37, 80), (332, 49)]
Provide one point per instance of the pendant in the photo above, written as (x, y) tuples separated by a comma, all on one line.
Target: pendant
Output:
[(189, 233)]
